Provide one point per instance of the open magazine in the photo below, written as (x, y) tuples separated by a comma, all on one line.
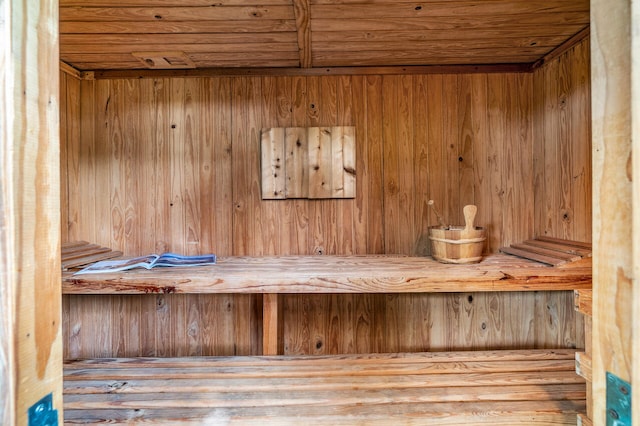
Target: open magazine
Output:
[(148, 262)]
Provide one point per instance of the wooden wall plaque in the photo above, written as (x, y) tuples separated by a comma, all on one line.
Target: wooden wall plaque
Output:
[(308, 162)]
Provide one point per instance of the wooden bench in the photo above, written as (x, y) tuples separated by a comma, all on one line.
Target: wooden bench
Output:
[(272, 276), (476, 387), (496, 387)]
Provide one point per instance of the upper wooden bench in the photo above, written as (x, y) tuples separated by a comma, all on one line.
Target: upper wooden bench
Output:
[(272, 276), (338, 274)]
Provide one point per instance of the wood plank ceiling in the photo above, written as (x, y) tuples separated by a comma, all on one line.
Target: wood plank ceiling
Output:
[(139, 34)]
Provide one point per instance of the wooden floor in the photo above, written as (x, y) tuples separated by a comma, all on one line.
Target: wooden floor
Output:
[(454, 388)]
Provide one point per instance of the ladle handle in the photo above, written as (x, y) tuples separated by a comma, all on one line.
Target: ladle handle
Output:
[(469, 217), (431, 203)]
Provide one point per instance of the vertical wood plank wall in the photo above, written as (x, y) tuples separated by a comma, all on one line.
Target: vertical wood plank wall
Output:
[(562, 148), (173, 164)]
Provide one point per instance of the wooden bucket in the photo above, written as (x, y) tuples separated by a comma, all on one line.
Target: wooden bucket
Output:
[(455, 245), (458, 244)]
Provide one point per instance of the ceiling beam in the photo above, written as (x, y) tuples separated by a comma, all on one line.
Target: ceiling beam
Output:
[(256, 72)]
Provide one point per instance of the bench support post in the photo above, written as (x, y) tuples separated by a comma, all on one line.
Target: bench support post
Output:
[(271, 325)]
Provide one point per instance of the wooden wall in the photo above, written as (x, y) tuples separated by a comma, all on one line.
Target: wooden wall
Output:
[(173, 164), (562, 151)]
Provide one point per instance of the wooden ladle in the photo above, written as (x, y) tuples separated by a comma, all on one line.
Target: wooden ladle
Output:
[(469, 212)]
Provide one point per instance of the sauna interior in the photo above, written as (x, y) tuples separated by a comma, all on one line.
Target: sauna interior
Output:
[(156, 160), (163, 106)]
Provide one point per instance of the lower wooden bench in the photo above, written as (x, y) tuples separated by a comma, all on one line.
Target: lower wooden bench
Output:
[(449, 388)]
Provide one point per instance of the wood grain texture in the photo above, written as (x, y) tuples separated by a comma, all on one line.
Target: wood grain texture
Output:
[(162, 325), (400, 121), (614, 264), (30, 198), (335, 274), (536, 387), (562, 174), (310, 35), (198, 144), (635, 137)]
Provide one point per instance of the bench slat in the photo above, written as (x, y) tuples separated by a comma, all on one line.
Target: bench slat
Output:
[(332, 397), (322, 360), (516, 412), (319, 383), (305, 371)]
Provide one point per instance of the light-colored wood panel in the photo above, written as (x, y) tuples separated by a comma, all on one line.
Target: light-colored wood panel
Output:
[(307, 162), (274, 173), (320, 163), (343, 146), (614, 111), (297, 162), (30, 326)]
